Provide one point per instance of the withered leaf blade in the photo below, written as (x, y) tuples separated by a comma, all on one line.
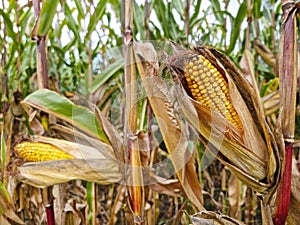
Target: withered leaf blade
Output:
[(112, 135), (48, 173), (212, 218), (271, 103), (235, 197), (8, 211), (265, 53), (172, 131)]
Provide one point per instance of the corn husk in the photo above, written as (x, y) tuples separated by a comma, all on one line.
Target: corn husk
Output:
[(90, 163), (251, 153)]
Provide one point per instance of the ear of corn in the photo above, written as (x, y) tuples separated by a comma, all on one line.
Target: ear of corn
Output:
[(38, 151), (208, 86)]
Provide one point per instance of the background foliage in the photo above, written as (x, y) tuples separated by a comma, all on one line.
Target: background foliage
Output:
[(84, 49)]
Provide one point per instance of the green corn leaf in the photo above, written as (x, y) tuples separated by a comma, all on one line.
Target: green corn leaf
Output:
[(195, 15), (9, 25), (79, 8), (236, 26), (46, 16), (4, 191), (59, 106), (3, 151), (139, 18), (96, 16), (217, 9), (71, 23), (106, 74)]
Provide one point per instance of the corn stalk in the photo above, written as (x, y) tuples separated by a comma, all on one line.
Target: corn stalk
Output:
[(135, 180), (44, 17), (288, 90)]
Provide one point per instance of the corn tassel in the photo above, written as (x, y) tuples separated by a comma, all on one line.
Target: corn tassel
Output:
[(208, 86), (38, 151)]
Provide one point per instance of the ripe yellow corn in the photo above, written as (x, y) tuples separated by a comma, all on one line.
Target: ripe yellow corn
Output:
[(37, 151), (208, 86)]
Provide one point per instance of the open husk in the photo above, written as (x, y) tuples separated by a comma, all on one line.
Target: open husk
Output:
[(251, 152), (94, 162)]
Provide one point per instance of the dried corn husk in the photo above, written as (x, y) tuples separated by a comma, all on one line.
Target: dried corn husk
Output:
[(93, 162), (251, 153)]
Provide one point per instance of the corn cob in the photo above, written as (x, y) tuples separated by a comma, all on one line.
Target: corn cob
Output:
[(208, 86), (37, 151)]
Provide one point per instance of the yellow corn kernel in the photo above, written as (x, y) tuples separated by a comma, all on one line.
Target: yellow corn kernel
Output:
[(37, 151), (212, 88)]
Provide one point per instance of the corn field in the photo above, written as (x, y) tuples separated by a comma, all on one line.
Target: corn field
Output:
[(149, 112)]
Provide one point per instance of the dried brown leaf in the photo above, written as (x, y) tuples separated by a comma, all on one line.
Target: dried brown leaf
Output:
[(271, 103), (118, 202), (212, 218), (235, 197), (112, 135), (247, 66), (71, 214), (4, 221), (266, 214), (172, 131), (161, 185), (8, 211), (265, 53)]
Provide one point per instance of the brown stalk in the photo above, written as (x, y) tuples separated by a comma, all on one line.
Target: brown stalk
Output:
[(135, 181), (288, 91), (41, 57), (42, 77)]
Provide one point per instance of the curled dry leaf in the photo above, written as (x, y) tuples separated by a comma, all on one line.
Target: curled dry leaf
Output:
[(235, 197), (172, 131), (212, 218), (7, 211), (248, 149), (265, 53), (271, 103)]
